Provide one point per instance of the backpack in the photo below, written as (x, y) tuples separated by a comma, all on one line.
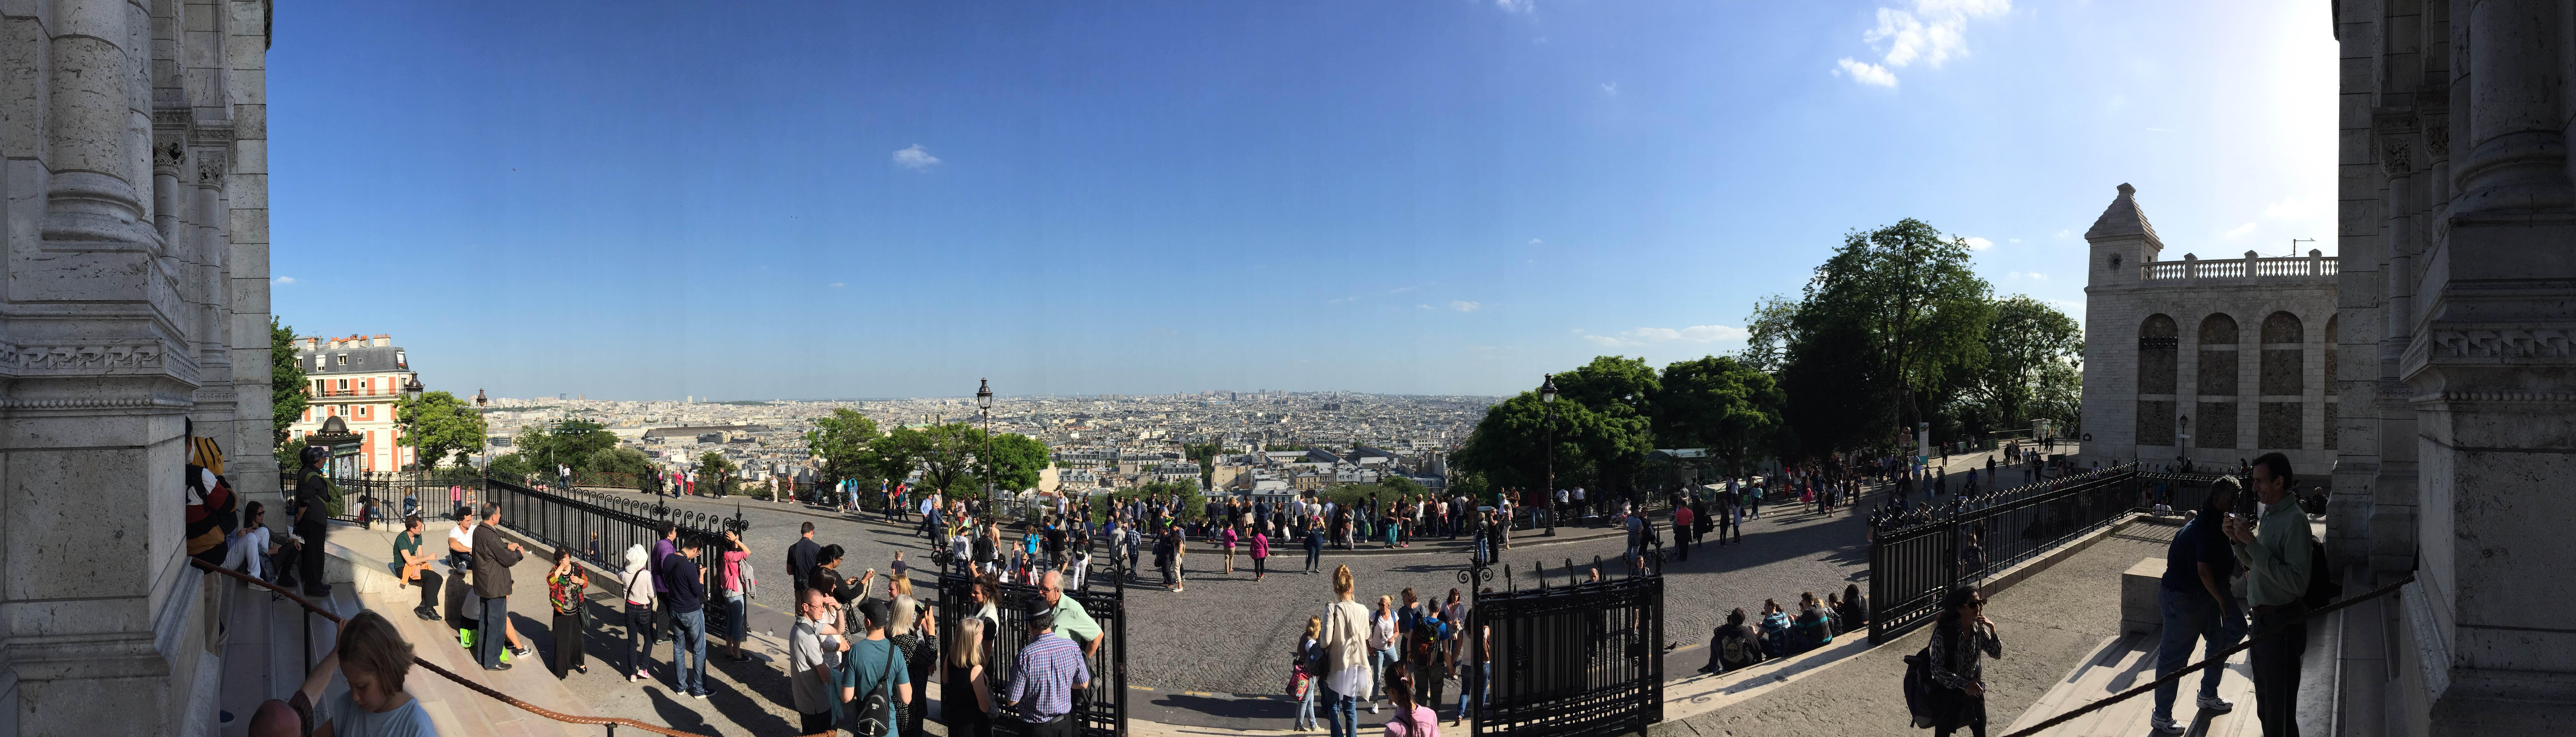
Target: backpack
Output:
[(2322, 588), (1732, 647), (876, 709), (1918, 687), (332, 505)]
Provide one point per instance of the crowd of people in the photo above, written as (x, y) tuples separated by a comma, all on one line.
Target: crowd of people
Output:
[(1779, 632)]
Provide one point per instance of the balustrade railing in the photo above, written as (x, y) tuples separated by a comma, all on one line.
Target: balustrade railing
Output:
[(2238, 268)]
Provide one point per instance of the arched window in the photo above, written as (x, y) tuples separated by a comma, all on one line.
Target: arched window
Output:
[(2213, 425), (2157, 339), (2284, 383)]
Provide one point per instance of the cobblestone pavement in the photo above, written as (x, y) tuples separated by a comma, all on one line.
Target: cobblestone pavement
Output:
[(1231, 634), (2049, 623)]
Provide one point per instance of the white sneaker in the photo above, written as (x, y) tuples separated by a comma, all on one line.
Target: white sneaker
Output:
[(2216, 704), (2168, 726), (1372, 707)]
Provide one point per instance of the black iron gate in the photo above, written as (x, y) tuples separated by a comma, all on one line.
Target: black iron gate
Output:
[(1101, 707), (1916, 558), (600, 534), (1584, 658)]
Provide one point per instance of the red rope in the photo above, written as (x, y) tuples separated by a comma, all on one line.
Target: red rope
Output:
[(416, 660)]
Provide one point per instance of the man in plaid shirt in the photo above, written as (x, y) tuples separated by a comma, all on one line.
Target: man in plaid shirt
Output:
[(1042, 683)]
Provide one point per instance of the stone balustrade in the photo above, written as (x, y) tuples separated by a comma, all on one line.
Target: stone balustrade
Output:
[(2192, 267)]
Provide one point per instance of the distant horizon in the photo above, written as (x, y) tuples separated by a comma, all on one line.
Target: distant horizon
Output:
[(999, 397)]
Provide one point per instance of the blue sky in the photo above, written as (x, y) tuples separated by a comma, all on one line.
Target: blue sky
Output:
[(652, 200)]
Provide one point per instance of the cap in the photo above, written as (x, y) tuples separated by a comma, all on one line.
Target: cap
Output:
[(875, 611), (1040, 615)]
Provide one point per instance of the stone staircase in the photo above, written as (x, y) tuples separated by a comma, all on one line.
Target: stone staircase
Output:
[(265, 654)]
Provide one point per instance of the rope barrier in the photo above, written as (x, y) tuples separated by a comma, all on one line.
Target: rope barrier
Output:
[(611, 722), (2219, 659)]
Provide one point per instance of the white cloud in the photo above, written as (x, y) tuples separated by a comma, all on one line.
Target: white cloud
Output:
[(282, 281), (2065, 233), (2015, 240), (1517, 6), (1865, 73), (1537, 242), (1399, 290), (915, 158), (1692, 334), (2012, 275), (1610, 87), (837, 285), (2036, 276), (1463, 305), (1339, 300), (1424, 306), (1932, 32), (2241, 230), (1979, 244)]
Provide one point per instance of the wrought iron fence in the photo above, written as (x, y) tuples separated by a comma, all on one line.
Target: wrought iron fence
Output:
[(387, 497), (600, 534), (1582, 658), (1915, 558), (1100, 708)]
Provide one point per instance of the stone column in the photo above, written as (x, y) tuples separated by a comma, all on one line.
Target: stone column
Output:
[(99, 124), (2490, 369), (2393, 492), (244, 46), (215, 413)]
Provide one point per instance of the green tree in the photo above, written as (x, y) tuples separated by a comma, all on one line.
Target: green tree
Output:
[(1016, 462), (1721, 404), (842, 443), (1768, 333), (571, 442), (441, 426), (289, 388), (2027, 342), (715, 474), (619, 459), (1886, 330), (945, 453), (514, 464), (1597, 447)]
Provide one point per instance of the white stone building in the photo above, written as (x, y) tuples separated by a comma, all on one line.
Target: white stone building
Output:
[(2232, 353), (135, 301)]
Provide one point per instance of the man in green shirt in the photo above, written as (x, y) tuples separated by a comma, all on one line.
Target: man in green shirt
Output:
[(2276, 554), (1070, 619)]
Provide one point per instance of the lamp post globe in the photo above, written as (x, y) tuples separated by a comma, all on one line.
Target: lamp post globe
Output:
[(1547, 494), (984, 405)]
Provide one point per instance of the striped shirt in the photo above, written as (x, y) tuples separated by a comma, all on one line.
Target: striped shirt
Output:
[(1042, 682)]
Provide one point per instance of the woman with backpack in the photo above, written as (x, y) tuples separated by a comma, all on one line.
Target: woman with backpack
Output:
[(1733, 646), (1960, 640)]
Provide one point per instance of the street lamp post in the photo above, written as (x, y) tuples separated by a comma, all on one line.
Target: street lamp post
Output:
[(984, 405), (1547, 397)]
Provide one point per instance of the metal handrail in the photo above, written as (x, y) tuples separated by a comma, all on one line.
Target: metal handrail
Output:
[(2212, 660), (310, 609)]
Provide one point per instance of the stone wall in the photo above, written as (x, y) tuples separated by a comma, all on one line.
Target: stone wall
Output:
[(2457, 214), (135, 258)]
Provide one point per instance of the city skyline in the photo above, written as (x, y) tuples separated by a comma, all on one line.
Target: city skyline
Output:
[(1436, 198)]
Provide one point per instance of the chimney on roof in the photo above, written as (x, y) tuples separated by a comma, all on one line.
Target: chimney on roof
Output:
[(384, 340)]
